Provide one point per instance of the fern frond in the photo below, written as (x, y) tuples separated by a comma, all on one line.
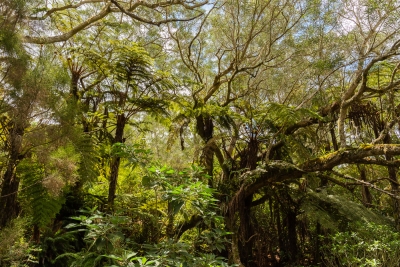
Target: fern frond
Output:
[(286, 115), (328, 210), (44, 206), (179, 123), (89, 158)]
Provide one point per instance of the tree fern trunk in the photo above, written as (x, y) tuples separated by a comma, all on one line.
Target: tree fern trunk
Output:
[(317, 244), (252, 154), (205, 128), (36, 234), (208, 161), (279, 225), (116, 160), (395, 190), (333, 136), (292, 234)]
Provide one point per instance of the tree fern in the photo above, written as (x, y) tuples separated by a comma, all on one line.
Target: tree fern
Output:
[(60, 243), (333, 211), (88, 158), (285, 115), (43, 205)]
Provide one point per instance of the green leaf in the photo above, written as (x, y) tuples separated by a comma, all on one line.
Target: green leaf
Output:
[(147, 181)]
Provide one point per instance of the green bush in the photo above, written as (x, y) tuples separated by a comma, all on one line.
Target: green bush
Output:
[(15, 249), (107, 246), (371, 245)]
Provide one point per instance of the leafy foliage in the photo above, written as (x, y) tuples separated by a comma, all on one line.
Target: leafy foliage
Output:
[(369, 245), (44, 206), (15, 249), (107, 242), (336, 212), (290, 108)]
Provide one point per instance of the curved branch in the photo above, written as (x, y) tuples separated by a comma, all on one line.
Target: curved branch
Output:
[(381, 162), (147, 21), (335, 181), (56, 9), (168, 3), (193, 222), (349, 156), (260, 201), (64, 37), (279, 171), (361, 182)]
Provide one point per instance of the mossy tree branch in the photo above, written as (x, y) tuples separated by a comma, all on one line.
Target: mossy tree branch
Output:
[(279, 171)]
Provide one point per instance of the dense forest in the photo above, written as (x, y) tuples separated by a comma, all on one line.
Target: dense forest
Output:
[(191, 133)]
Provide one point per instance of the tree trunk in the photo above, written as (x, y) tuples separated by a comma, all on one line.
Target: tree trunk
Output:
[(208, 161), (116, 160), (317, 244), (392, 171), (279, 225), (246, 229), (235, 250), (395, 190), (292, 235), (8, 201), (36, 234), (366, 194), (205, 128), (171, 217), (246, 233), (252, 154), (10, 185), (334, 140)]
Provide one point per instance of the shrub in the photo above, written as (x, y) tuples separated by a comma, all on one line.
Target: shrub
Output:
[(371, 245)]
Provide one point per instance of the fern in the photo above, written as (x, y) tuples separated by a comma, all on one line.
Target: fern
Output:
[(285, 115), (44, 207), (178, 125), (89, 158), (61, 243), (330, 210)]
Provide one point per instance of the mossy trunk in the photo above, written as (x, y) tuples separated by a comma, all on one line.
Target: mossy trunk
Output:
[(246, 233), (235, 250), (392, 171), (246, 229), (395, 190)]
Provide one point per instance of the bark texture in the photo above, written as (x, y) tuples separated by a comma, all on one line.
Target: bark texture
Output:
[(116, 160), (10, 184)]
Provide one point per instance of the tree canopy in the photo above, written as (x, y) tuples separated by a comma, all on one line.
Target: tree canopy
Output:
[(199, 133)]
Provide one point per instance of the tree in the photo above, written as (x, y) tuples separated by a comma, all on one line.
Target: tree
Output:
[(285, 118), (50, 16), (125, 85), (17, 14), (228, 72), (294, 103)]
